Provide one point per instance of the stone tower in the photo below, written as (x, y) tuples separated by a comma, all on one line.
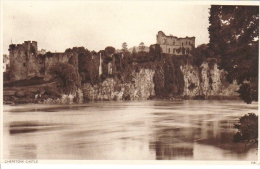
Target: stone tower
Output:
[(23, 60)]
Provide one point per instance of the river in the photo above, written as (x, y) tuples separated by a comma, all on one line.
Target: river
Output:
[(126, 130)]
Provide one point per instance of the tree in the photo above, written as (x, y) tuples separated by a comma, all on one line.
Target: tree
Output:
[(201, 53), (67, 77), (247, 130), (141, 46), (124, 47), (110, 50), (142, 56), (155, 52), (134, 53), (68, 50), (234, 40)]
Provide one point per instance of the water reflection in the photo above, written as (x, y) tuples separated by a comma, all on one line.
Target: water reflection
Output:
[(147, 130), (173, 143), (203, 132), (24, 150)]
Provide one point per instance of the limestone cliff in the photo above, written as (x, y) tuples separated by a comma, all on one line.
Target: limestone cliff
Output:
[(207, 81), (168, 78), (141, 87)]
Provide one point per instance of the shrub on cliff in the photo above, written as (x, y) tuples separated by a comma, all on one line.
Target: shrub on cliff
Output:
[(174, 81), (201, 53), (168, 78), (85, 65), (142, 57), (155, 52), (52, 92), (67, 77), (109, 50)]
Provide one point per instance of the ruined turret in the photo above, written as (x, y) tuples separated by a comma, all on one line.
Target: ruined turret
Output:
[(23, 60)]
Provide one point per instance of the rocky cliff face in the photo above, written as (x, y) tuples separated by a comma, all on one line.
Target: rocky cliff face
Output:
[(167, 79), (207, 81), (140, 88), (191, 80)]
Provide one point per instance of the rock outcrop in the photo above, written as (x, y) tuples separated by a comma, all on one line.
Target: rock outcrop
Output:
[(140, 88), (169, 79), (207, 81)]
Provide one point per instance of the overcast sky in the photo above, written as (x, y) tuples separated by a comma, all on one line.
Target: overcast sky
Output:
[(57, 26)]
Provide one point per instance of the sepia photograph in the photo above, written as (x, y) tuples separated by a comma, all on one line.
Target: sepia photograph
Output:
[(139, 81)]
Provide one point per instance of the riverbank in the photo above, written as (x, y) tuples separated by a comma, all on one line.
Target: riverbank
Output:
[(43, 98)]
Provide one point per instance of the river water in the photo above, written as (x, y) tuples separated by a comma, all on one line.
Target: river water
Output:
[(127, 130)]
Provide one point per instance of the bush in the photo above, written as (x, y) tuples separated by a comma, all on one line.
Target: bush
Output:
[(249, 92), (20, 94), (247, 129), (67, 76), (155, 52), (52, 91)]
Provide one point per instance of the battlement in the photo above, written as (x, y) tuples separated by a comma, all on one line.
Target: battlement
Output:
[(27, 46)]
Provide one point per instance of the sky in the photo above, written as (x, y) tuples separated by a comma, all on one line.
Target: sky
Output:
[(58, 25)]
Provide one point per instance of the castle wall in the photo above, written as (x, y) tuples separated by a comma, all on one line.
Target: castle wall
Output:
[(33, 66), (25, 62)]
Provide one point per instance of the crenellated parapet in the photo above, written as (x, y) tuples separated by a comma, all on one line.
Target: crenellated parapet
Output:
[(27, 46)]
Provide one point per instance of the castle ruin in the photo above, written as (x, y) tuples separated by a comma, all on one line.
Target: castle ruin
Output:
[(27, 62), (174, 45)]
